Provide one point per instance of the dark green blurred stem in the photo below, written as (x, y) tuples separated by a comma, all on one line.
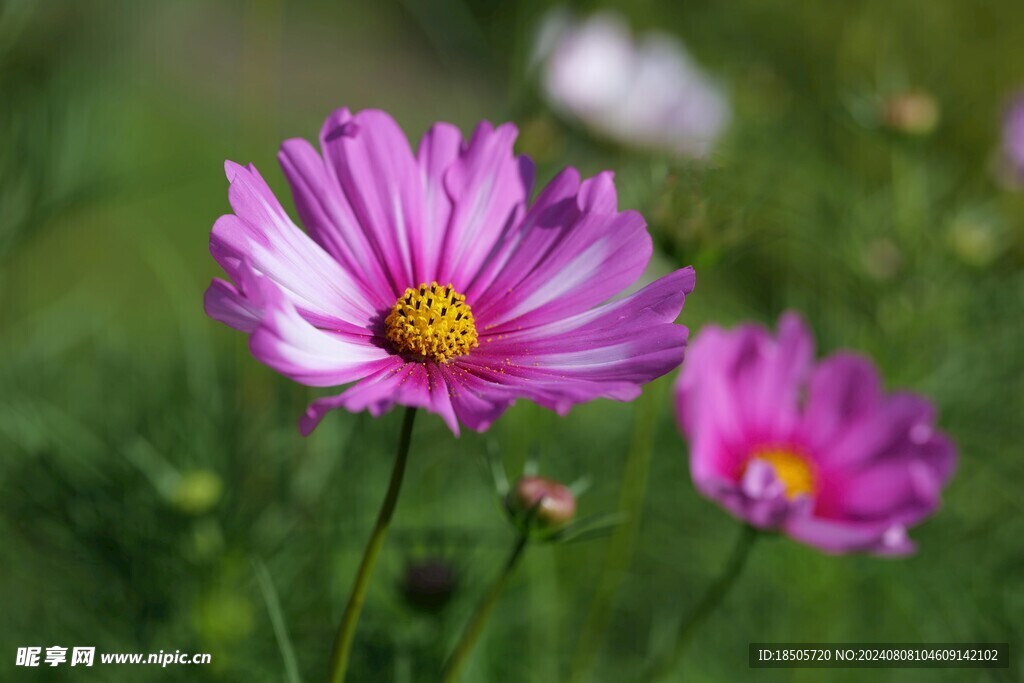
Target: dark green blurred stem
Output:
[(909, 196), (453, 667), (711, 600), (347, 630), (620, 548)]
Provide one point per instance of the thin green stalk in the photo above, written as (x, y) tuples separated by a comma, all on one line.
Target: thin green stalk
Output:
[(347, 630), (620, 547), (284, 643), (453, 667), (711, 600)]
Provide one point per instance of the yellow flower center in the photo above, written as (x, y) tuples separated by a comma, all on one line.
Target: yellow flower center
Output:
[(431, 322), (791, 468)]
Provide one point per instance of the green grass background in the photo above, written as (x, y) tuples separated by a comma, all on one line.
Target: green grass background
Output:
[(150, 469)]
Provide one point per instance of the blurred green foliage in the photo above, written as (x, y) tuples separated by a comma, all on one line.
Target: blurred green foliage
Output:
[(155, 494)]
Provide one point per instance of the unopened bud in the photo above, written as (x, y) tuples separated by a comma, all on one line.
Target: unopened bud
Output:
[(975, 240), (551, 504), (429, 584), (197, 491), (914, 112), (882, 259)]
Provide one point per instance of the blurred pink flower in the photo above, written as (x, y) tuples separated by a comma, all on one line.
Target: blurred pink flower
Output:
[(645, 93), (429, 279), (1013, 139), (817, 451)]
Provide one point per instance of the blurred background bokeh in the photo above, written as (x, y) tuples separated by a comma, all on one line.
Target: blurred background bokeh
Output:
[(155, 493)]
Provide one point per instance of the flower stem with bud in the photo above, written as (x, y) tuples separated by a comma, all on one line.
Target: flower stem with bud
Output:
[(538, 508)]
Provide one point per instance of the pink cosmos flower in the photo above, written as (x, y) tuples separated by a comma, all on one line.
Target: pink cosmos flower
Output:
[(817, 451), (429, 279)]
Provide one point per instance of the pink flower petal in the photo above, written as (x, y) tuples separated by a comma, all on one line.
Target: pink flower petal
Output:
[(262, 234), (288, 343), (416, 385), (369, 157), (885, 433), (517, 254), (439, 149), (843, 390), (489, 188), (477, 402), (597, 256), (227, 304), (329, 220), (607, 352), (838, 537)]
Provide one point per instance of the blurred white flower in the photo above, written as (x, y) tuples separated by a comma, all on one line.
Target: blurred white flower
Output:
[(641, 92)]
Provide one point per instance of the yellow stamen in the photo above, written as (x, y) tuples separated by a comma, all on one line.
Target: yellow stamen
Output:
[(431, 322), (791, 468)]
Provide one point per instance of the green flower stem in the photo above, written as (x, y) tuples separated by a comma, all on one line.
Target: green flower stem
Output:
[(619, 554), (453, 667), (347, 630), (711, 600)]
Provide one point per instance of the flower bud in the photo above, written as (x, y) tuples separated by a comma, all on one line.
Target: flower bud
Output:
[(975, 239), (197, 491), (223, 616), (913, 112), (883, 259), (429, 584), (551, 504)]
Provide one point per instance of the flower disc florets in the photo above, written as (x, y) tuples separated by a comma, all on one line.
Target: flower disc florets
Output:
[(432, 322), (791, 468)]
